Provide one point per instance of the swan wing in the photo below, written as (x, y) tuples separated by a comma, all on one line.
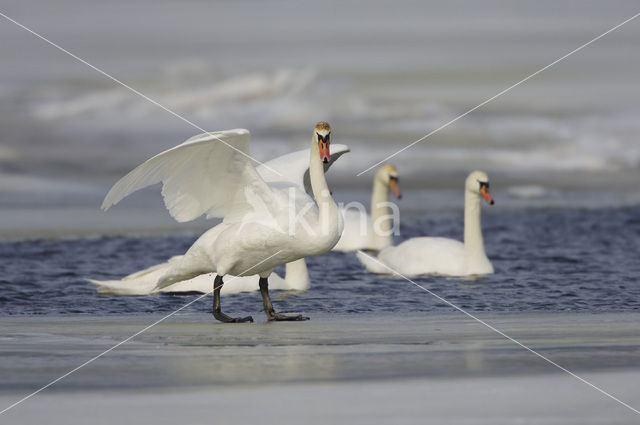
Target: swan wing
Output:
[(294, 167), (208, 174)]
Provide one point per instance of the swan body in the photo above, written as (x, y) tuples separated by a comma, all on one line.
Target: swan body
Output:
[(293, 168), (371, 232), (144, 282), (265, 224), (442, 256)]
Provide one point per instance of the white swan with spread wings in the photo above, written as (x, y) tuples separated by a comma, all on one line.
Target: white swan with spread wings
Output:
[(292, 167), (265, 224)]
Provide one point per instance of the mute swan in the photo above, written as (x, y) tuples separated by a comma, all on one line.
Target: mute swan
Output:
[(374, 232), (265, 224), (442, 256), (292, 167)]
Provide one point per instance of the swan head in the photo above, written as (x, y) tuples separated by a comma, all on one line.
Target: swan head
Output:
[(478, 184), (322, 132), (388, 176)]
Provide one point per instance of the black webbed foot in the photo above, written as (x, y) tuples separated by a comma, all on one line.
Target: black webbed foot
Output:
[(272, 316), (227, 319), (217, 312)]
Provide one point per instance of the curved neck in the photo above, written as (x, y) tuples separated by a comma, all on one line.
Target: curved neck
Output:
[(473, 243), (296, 275), (380, 218)]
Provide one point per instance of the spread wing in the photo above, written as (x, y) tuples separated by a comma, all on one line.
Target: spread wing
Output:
[(208, 174)]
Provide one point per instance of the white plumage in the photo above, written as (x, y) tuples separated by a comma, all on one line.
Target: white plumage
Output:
[(289, 168), (441, 256), (375, 231), (264, 225), (145, 281)]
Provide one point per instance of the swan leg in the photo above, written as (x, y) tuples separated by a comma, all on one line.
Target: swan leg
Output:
[(268, 307), (217, 312)]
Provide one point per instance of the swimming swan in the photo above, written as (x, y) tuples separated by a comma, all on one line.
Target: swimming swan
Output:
[(266, 224), (374, 232), (442, 256), (292, 167)]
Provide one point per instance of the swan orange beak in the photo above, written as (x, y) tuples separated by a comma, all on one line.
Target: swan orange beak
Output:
[(484, 191), (395, 189), (325, 154)]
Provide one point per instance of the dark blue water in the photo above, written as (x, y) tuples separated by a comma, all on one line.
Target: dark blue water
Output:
[(581, 260)]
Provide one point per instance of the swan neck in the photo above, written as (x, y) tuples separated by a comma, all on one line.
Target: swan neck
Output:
[(319, 185), (330, 219), (473, 242), (296, 275), (381, 223)]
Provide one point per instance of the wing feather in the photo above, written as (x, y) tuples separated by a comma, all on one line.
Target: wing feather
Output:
[(204, 175)]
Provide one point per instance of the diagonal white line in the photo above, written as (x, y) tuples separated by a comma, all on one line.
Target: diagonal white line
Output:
[(498, 331), (91, 360), (447, 124), (147, 98)]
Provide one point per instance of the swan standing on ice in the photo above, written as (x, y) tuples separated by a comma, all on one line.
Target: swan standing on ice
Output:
[(374, 232), (265, 224), (292, 167), (442, 256)]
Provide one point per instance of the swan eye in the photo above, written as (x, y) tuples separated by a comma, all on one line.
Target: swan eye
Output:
[(484, 184)]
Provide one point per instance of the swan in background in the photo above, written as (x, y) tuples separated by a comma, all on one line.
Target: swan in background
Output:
[(292, 167), (265, 224), (442, 256), (374, 232)]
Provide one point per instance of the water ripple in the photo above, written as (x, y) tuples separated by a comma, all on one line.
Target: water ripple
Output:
[(546, 260)]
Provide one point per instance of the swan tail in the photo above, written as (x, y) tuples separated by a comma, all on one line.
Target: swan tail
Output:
[(142, 282), (124, 287)]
